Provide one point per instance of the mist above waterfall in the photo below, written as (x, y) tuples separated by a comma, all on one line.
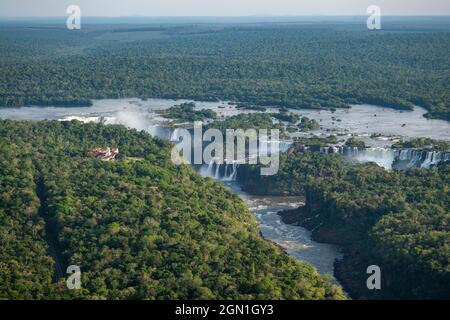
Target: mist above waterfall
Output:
[(132, 119), (381, 156)]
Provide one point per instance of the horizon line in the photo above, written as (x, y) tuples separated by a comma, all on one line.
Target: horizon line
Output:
[(232, 16)]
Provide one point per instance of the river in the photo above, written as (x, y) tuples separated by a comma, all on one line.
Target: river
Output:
[(294, 239), (361, 120)]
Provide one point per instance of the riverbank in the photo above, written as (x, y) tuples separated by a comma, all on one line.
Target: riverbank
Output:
[(296, 241), (347, 276)]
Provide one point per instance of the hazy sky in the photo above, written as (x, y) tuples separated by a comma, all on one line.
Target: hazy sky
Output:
[(12, 8)]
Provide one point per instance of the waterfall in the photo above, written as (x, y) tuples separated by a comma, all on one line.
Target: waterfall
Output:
[(413, 157), (381, 156), (226, 169), (389, 158), (216, 175), (433, 158), (232, 175), (428, 160), (323, 149), (208, 170), (214, 170), (422, 158)]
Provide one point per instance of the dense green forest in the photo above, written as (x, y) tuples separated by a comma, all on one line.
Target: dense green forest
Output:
[(294, 174), (354, 142), (139, 227), (307, 124), (186, 112), (247, 121), (286, 117), (286, 65), (394, 219), (26, 269)]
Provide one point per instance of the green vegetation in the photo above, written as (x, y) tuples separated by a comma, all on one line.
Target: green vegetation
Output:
[(294, 65), (286, 117), (251, 107), (296, 171), (247, 121), (142, 229), (423, 143), (307, 124), (355, 143), (258, 121), (185, 112), (26, 270), (315, 141), (396, 220)]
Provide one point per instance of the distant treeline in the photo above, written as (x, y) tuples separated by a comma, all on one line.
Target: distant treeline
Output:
[(291, 66)]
